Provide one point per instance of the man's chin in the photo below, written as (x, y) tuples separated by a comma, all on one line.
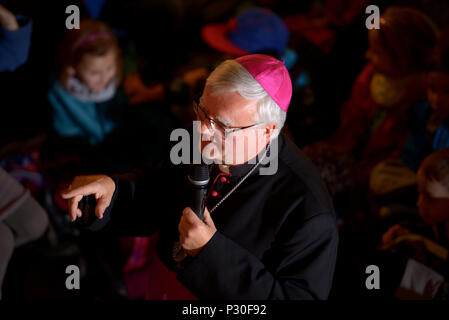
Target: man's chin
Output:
[(209, 151)]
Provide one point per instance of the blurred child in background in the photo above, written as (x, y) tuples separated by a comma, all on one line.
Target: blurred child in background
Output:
[(90, 108), (438, 95), (425, 243), (89, 70), (429, 125), (373, 124)]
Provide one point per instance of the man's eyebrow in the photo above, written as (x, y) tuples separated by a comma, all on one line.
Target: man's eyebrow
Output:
[(220, 119), (224, 121)]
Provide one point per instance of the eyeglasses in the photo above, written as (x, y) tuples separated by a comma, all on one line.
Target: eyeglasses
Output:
[(216, 125)]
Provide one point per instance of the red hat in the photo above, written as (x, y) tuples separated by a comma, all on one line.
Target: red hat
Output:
[(272, 75)]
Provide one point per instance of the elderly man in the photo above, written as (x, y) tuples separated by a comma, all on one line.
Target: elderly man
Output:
[(264, 236)]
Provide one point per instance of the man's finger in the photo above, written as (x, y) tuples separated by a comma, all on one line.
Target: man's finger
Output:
[(190, 216), (207, 218), (74, 211), (85, 190), (184, 227)]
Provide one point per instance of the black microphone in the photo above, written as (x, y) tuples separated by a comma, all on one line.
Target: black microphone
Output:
[(89, 220), (199, 178)]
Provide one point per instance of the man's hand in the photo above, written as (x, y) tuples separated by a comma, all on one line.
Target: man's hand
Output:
[(194, 233), (7, 19), (101, 186)]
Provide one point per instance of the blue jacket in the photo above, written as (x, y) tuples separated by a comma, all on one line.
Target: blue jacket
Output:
[(441, 139), (89, 120), (14, 45), (419, 143)]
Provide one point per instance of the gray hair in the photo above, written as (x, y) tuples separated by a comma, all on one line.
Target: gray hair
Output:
[(231, 76)]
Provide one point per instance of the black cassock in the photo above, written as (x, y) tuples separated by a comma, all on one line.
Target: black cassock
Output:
[(276, 234)]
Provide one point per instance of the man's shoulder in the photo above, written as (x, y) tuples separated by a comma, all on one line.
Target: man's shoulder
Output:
[(295, 164), (300, 174)]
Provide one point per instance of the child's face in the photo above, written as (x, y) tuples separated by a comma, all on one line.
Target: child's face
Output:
[(379, 56), (433, 201), (97, 71)]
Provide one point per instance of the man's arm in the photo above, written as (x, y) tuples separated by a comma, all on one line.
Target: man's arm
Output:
[(132, 204), (142, 200), (301, 264)]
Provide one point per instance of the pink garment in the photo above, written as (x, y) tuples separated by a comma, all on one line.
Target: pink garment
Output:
[(145, 274)]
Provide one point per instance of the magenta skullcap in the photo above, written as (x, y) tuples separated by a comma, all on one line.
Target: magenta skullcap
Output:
[(272, 75)]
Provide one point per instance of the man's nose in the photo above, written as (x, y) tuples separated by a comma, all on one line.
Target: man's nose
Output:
[(204, 128)]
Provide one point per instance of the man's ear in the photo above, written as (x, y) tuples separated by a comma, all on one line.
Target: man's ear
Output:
[(269, 129)]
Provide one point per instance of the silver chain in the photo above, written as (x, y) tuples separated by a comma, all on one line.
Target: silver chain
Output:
[(240, 182)]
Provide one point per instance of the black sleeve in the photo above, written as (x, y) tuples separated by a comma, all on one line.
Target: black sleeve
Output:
[(142, 200), (299, 266)]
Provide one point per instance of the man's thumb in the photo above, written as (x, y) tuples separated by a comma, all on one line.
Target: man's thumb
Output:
[(207, 218)]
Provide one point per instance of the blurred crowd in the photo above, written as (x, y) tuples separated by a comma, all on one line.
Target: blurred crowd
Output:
[(370, 108)]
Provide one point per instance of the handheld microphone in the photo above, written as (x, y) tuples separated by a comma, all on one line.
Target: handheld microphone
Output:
[(199, 178)]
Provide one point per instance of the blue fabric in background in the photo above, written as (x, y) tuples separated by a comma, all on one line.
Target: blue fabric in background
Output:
[(15, 45), (74, 118), (441, 139), (290, 58), (94, 7), (258, 29), (417, 146)]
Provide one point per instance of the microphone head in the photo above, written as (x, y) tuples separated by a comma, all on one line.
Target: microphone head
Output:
[(199, 174)]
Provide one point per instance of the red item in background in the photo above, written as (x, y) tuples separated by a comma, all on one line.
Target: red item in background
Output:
[(322, 37)]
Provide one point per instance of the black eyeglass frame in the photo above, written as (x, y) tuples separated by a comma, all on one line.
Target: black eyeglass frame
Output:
[(213, 123)]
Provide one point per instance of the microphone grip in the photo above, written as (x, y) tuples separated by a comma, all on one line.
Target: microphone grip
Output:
[(199, 196), (89, 220)]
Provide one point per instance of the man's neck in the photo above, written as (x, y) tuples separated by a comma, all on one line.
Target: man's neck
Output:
[(224, 168)]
